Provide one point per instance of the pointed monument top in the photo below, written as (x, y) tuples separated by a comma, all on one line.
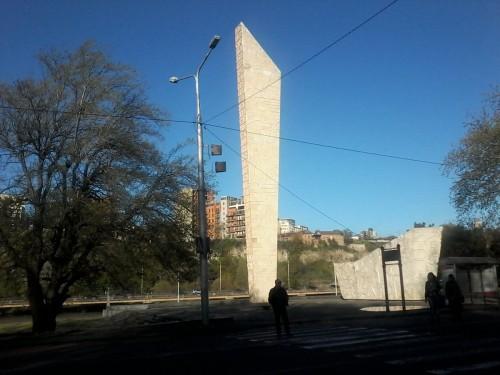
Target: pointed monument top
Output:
[(247, 44)]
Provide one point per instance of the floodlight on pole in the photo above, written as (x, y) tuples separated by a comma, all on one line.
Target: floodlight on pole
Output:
[(202, 241), (213, 43)]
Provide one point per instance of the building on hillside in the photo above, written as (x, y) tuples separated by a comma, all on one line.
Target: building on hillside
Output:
[(286, 226), (290, 236), (212, 211), (213, 219), (225, 203), (235, 221), (368, 234), (301, 228), (331, 237), (210, 197)]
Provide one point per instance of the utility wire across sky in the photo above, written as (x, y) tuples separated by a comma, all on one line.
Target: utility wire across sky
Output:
[(309, 59), (279, 183), (329, 146), (211, 132), (158, 119)]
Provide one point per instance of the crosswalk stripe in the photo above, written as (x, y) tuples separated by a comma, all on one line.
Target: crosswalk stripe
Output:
[(395, 347), (402, 346), (442, 355), (350, 337), (306, 337), (329, 334), (298, 332), (358, 341), (467, 368), (332, 337)]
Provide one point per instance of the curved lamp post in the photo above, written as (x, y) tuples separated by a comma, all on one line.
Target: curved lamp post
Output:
[(202, 240)]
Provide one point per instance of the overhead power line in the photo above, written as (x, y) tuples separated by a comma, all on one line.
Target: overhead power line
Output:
[(309, 59), (295, 195), (301, 141), (329, 146), (94, 114)]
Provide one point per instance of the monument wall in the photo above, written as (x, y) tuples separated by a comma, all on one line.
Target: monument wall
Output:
[(259, 110), (363, 279)]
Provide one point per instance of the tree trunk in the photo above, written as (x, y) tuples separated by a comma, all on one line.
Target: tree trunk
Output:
[(43, 312)]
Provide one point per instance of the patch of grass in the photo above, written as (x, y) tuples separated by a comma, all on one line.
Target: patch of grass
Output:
[(11, 327), (69, 321)]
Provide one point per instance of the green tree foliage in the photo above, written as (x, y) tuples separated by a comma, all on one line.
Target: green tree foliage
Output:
[(96, 195), (460, 241), (229, 253), (476, 164), (303, 274), (293, 247), (478, 242), (234, 274)]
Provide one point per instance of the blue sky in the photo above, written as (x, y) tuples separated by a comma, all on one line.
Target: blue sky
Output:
[(404, 84)]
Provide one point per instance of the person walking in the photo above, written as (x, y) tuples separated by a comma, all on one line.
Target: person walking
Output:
[(432, 297), (455, 297), (278, 299)]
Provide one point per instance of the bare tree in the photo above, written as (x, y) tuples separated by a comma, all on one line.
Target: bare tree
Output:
[(476, 165), (77, 149)]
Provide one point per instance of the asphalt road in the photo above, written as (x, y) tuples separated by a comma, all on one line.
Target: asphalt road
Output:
[(328, 335)]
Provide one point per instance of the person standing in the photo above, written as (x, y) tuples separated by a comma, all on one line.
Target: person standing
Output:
[(455, 297), (278, 299), (432, 297)]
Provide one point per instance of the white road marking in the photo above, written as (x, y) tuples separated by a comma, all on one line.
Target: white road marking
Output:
[(467, 368)]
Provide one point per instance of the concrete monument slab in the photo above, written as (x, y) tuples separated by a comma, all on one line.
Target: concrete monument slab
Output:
[(259, 109), (363, 279)]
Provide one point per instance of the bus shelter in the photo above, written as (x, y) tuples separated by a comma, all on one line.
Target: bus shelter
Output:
[(476, 276)]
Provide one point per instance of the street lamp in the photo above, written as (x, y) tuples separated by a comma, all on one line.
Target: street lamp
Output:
[(288, 267), (202, 240)]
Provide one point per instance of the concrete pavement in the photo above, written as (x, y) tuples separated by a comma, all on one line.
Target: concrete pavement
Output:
[(328, 334)]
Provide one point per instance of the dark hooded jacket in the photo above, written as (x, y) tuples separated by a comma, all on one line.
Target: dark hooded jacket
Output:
[(278, 297)]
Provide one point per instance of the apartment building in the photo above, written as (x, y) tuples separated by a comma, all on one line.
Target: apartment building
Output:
[(286, 226), (225, 203), (235, 221), (213, 220)]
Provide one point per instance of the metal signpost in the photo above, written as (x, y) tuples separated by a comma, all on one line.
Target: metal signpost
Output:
[(390, 257)]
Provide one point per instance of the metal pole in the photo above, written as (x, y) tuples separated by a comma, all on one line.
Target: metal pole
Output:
[(403, 300), (482, 284), (385, 281), (202, 218), (470, 286), (108, 299), (142, 279), (178, 288), (220, 276), (288, 268), (336, 282)]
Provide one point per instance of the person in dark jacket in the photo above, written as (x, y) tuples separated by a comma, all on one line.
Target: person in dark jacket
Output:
[(454, 296), (432, 297), (278, 299)]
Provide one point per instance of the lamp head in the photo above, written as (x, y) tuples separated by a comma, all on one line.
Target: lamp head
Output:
[(173, 79), (213, 43)]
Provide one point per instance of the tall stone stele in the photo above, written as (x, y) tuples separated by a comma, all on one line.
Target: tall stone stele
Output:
[(259, 97)]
